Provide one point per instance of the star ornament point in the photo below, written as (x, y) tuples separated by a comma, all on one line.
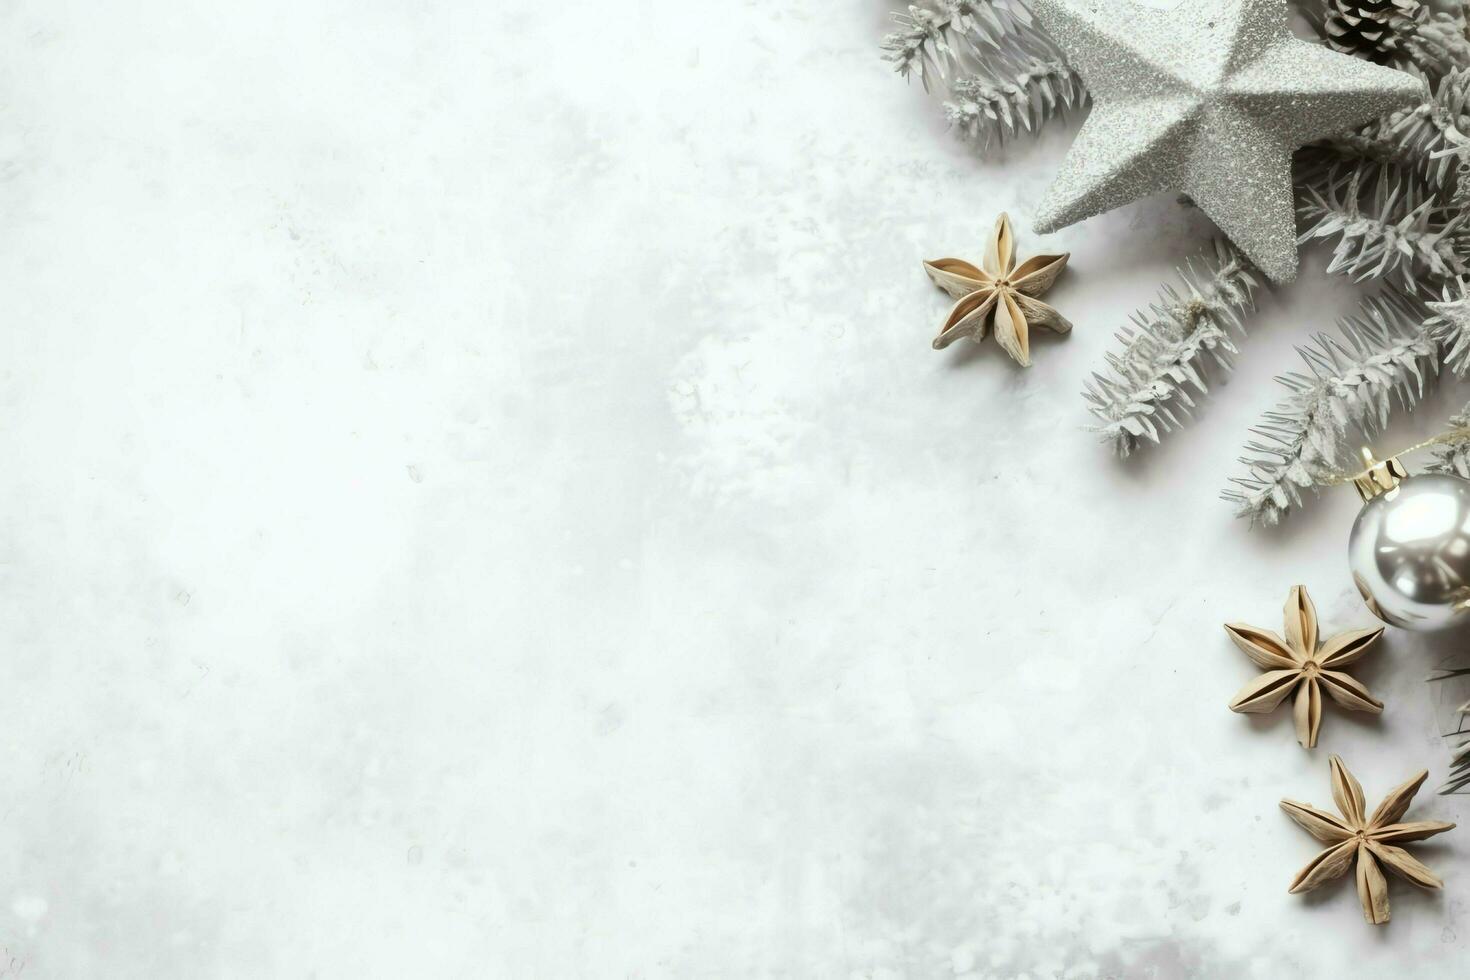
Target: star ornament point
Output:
[(1209, 98)]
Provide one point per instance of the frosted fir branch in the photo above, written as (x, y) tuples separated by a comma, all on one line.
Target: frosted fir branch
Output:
[(1427, 139), (1435, 45), (1450, 326), (1017, 94), (927, 43), (1433, 132), (1149, 387), (1399, 230), (1349, 385), (1453, 457), (937, 38), (1002, 74), (1460, 196)]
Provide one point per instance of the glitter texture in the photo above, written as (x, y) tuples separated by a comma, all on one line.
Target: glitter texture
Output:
[(1210, 98)]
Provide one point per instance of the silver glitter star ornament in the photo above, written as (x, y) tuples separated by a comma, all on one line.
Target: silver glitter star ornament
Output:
[(1208, 97)]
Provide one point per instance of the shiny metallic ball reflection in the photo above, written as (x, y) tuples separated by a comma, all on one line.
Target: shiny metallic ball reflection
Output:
[(1410, 553)]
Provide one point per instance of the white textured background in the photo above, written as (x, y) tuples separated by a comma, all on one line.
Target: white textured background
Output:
[(478, 500)]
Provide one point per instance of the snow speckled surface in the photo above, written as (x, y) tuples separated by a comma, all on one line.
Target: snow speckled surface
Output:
[(479, 501)]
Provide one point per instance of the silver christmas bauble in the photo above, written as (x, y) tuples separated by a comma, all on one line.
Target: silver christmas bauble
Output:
[(1410, 552)]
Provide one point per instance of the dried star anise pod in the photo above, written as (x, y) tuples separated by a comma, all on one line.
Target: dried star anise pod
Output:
[(999, 290), (1299, 664), (1372, 840)]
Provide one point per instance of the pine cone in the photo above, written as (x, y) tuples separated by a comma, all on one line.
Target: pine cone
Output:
[(1368, 28)]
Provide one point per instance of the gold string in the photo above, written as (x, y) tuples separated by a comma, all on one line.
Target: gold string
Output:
[(1453, 435)]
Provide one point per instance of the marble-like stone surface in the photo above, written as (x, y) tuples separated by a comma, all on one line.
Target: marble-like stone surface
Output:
[(479, 501)]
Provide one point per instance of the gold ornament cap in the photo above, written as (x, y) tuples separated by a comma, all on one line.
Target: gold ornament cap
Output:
[(1378, 478)]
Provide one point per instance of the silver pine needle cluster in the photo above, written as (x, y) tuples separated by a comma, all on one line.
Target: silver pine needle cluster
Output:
[(1146, 389), (1391, 197), (1425, 138), (1002, 74), (1453, 457), (1349, 385), (937, 38), (1020, 90), (1400, 229), (1434, 44), (1450, 326)]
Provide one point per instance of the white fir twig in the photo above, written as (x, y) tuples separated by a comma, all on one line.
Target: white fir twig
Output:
[(1001, 73), (1349, 385), (1454, 456), (1435, 45), (1393, 230), (1146, 390), (1017, 93), (1450, 326), (1427, 139), (936, 38)]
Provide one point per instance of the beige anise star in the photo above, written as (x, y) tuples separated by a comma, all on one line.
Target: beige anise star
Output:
[(1372, 840), (1299, 664), (1002, 288)]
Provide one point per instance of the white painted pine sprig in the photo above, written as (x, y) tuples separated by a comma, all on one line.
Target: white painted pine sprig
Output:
[(1453, 457), (1424, 139), (999, 71), (1351, 382), (938, 39), (1149, 386), (1020, 90), (1385, 224)]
